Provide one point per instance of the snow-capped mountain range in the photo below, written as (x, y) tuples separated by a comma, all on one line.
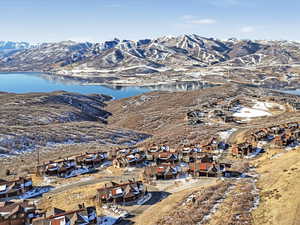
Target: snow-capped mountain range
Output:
[(10, 47), (145, 56)]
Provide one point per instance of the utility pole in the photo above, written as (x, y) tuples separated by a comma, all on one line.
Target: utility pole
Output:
[(38, 156), (38, 153)]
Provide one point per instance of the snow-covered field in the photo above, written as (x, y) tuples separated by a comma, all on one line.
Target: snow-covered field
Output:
[(246, 112), (259, 109)]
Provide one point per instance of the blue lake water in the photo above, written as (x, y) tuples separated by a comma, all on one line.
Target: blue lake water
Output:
[(293, 92), (39, 82)]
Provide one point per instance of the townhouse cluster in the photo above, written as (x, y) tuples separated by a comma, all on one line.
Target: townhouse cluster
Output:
[(72, 166), (282, 136), (26, 213)]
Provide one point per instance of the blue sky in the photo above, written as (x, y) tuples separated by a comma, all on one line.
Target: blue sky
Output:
[(99, 20)]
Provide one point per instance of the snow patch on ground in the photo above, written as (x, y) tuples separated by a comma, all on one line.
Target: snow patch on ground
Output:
[(106, 164), (47, 180), (215, 207), (245, 112), (224, 135), (145, 199), (259, 109), (35, 192), (276, 155), (267, 105), (292, 146), (115, 211), (78, 171), (254, 154)]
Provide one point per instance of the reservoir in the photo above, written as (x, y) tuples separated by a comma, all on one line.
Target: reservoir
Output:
[(41, 82)]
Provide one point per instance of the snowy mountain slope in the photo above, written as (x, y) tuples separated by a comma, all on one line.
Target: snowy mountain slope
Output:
[(9, 47), (45, 56), (149, 55)]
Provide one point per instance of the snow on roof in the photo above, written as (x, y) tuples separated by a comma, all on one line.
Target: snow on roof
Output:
[(2, 187)]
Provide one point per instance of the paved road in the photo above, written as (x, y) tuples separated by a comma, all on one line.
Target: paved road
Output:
[(157, 196), (93, 181)]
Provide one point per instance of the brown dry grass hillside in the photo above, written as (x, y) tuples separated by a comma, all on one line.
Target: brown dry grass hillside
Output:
[(280, 188), (163, 114), (41, 119), (58, 124)]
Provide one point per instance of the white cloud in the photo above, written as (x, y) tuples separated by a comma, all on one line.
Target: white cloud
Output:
[(190, 19), (247, 29), (202, 21)]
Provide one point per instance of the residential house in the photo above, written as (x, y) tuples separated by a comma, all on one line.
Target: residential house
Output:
[(209, 145), (242, 149), (162, 171), (91, 159), (284, 139), (131, 159), (14, 188), (57, 167), (81, 216), (121, 193), (17, 213), (207, 169)]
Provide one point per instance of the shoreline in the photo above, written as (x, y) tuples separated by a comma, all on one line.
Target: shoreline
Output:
[(87, 82), (114, 82)]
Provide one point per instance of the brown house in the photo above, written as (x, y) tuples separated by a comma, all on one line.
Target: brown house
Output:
[(82, 216), (14, 188), (242, 149), (260, 135), (17, 213), (284, 140), (91, 159), (57, 167), (292, 126), (128, 160), (162, 171), (209, 145), (121, 193), (207, 169)]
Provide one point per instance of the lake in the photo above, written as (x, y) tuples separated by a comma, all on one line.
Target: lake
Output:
[(41, 82), (293, 92)]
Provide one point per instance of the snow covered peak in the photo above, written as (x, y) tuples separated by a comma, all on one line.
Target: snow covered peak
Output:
[(13, 45)]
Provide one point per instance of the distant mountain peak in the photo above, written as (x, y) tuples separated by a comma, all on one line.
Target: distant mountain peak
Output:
[(167, 53)]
